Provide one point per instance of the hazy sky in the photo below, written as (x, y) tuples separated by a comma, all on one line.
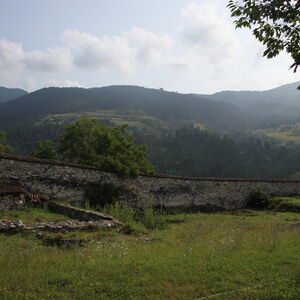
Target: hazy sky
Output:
[(179, 45)]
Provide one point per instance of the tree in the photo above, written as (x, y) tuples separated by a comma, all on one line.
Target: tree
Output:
[(111, 149), (3, 146), (275, 23), (45, 150)]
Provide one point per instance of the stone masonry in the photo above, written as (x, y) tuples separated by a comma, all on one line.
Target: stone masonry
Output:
[(11, 197), (66, 182)]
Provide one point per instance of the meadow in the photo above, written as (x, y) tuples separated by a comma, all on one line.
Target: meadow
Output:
[(243, 254), (286, 133)]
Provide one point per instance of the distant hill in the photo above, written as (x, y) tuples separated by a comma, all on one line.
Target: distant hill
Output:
[(286, 94), (281, 103), (7, 94), (163, 105)]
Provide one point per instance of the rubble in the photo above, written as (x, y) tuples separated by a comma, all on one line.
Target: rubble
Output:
[(62, 226)]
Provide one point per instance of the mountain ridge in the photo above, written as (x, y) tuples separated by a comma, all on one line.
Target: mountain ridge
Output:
[(7, 94), (169, 106)]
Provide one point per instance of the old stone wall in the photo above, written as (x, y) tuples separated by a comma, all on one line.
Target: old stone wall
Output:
[(80, 214), (11, 201), (67, 182)]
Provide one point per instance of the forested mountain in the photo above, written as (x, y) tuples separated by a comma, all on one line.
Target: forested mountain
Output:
[(286, 95), (191, 152), (278, 104), (167, 106), (7, 94), (185, 134)]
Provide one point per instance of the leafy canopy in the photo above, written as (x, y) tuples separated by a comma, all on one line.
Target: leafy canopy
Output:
[(275, 23), (3, 146), (45, 150), (89, 142)]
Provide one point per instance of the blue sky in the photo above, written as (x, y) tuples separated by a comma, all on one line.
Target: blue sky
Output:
[(179, 45)]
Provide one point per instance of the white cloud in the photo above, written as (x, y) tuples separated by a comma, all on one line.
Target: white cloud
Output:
[(63, 83), (14, 62), (51, 60), (10, 56), (208, 33), (125, 53), (94, 53), (148, 47)]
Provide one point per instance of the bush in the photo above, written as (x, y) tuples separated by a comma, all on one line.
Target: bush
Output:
[(124, 214), (99, 195), (148, 218), (258, 200), (153, 219)]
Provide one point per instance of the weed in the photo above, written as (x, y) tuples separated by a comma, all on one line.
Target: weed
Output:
[(258, 200)]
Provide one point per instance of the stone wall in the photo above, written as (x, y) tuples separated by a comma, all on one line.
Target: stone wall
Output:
[(11, 201), (67, 182), (80, 214)]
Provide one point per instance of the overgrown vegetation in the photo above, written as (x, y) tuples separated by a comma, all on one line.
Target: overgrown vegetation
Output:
[(253, 255), (291, 204), (99, 195), (148, 218), (260, 200)]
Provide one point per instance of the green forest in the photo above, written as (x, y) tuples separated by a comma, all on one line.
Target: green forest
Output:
[(184, 134)]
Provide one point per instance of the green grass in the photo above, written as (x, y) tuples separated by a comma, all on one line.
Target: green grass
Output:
[(285, 133), (242, 255), (117, 116), (291, 204), (31, 215), (292, 200)]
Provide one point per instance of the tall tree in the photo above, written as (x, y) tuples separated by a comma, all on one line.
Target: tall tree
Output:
[(275, 23), (89, 142)]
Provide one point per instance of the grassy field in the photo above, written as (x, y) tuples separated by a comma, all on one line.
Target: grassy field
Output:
[(31, 216), (132, 118), (284, 133), (239, 255)]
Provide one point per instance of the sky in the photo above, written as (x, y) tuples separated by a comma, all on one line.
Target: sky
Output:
[(178, 45)]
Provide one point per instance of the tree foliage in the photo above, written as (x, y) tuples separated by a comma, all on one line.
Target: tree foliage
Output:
[(3, 146), (192, 152), (45, 150), (275, 23), (89, 142)]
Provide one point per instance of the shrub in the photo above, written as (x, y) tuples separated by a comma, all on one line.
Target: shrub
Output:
[(153, 219), (124, 214), (99, 195), (258, 200), (148, 218)]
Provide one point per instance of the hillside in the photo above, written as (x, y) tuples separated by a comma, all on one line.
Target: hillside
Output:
[(286, 94), (281, 103), (163, 105), (7, 94)]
